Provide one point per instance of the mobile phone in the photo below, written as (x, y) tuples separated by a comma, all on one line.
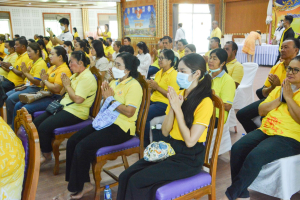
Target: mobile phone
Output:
[(281, 96), (48, 29)]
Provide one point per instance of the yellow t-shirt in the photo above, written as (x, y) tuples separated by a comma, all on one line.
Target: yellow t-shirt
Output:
[(49, 45), (75, 35), (2, 47), (129, 92), (235, 70), (216, 33), (279, 120), (84, 85), (224, 87), (181, 53), (12, 157), (109, 49), (55, 74), (18, 80), (46, 55), (279, 70), (36, 68), (164, 80), (11, 58), (106, 33), (202, 116)]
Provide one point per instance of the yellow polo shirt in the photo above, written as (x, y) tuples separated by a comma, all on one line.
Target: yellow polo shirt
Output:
[(164, 80), (279, 120), (55, 75), (36, 40), (75, 35), (18, 80), (2, 47), (84, 85), (235, 70), (279, 70), (224, 87), (202, 116), (46, 55), (109, 49), (216, 33), (109, 35), (129, 93), (181, 53), (49, 45), (11, 58), (12, 158), (36, 68)]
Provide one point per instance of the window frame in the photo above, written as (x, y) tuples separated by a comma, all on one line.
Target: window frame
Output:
[(70, 25), (11, 29)]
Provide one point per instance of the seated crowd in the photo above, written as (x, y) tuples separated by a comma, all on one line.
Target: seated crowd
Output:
[(39, 71)]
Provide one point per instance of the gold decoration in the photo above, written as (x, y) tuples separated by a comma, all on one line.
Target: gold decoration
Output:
[(286, 5)]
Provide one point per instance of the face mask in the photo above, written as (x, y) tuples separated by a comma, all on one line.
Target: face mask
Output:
[(214, 70), (62, 28), (278, 24), (183, 80), (6, 51), (118, 73)]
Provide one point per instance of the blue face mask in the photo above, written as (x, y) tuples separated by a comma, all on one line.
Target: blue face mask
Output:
[(6, 51), (183, 80)]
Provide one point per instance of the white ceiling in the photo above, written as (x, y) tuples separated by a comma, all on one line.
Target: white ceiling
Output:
[(105, 4)]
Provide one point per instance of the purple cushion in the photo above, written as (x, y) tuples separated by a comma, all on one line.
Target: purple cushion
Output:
[(38, 113), (22, 134), (181, 187), (132, 143), (70, 129)]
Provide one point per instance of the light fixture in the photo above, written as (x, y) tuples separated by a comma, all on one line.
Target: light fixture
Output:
[(29, 3)]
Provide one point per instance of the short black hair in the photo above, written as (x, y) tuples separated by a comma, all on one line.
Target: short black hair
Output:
[(296, 42), (40, 37), (289, 18), (183, 41), (168, 38), (127, 48), (127, 38), (108, 39), (22, 41), (47, 38), (233, 45), (23, 37), (10, 43), (191, 47), (64, 21), (77, 39), (31, 40), (143, 46), (75, 29), (17, 35), (216, 39), (91, 38)]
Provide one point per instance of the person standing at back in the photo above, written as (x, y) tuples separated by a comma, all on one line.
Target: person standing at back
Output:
[(180, 33), (287, 33), (127, 41), (64, 36), (216, 32)]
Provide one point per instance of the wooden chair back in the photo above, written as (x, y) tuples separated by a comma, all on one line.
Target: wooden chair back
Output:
[(29, 136), (97, 101), (143, 112), (237, 36)]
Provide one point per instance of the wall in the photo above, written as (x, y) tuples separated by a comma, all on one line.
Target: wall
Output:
[(27, 21), (243, 16)]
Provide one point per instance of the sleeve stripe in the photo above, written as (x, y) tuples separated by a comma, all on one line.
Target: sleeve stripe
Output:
[(131, 105), (201, 124), (37, 78)]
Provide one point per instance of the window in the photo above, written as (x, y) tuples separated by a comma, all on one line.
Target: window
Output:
[(52, 21), (111, 20), (5, 23), (196, 19)]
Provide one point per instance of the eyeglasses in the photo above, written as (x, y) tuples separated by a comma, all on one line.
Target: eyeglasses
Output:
[(294, 70), (161, 58)]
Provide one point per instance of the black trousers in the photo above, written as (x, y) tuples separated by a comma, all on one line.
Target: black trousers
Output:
[(82, 148), (245, 116), (250, 153), (277, 58), (143, 178), (46, 123), (7, 85)]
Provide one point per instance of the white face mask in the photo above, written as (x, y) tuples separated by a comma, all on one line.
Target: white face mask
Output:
[(278, 24), (62, 28), (118, 73)]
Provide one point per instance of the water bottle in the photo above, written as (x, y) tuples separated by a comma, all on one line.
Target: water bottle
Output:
[(107, 193)]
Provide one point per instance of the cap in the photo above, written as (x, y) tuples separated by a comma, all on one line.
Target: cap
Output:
[(107, 187)]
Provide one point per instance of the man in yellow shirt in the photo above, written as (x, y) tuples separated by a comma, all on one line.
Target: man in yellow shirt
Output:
[(235, 68), (216, 32), (2, 53), (14, 77), (108, 49), (289, 50), (10, 57), (36, 37)]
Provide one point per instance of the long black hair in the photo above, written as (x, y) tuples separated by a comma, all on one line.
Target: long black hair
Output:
[(143, 46), (222, 56), (83, 45), (41, 42), (60, 51), (131, 63), (202, 90), (98, 46), (80, 56)]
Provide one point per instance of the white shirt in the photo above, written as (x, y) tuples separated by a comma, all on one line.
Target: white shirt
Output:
[(180, 34), (278, 34), (66, 36), (145, 62)]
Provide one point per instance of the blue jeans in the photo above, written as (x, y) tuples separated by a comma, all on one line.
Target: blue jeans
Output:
[(152, 70), (156, 109), (35, 106), (13, 98)]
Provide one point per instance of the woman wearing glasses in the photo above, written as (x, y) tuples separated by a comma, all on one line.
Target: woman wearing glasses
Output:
[(278, 136), (165, 77)]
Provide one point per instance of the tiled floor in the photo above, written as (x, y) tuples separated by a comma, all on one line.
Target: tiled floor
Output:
[(50, 185)]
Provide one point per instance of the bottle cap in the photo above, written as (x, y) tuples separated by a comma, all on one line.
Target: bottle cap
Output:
[(107, 186)]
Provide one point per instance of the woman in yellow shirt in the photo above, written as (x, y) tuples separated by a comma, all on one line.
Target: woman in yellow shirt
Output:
[(278, 136), (184, 128), (181, 47), (68, 46), (31, 73), (82, 46), (75, 33), (163, 79), (125, 94), (80, 91), (45, 53), (105, 34), (12, 168), (50, 81)]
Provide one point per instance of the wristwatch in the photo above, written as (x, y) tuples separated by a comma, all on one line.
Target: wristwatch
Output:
[(11, 67)]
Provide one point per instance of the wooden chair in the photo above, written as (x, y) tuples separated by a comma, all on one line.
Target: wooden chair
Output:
[(60, 134), (3, 113), (30, 139), (203, 183), (134, 145)]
